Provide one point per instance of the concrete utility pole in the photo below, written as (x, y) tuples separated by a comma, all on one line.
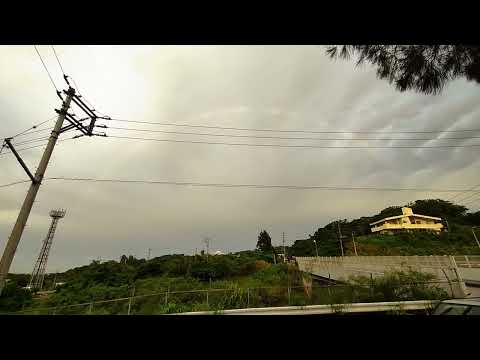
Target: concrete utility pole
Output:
[(149, 252), (207, 243), (316, 249), (354, 246), (340, 236), (14, 239), (284, 252)]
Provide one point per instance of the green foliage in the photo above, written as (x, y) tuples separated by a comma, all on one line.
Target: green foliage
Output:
[(264, 242), (438, 207), (423, 68), (457, 241), (13, 297), (397, 286)]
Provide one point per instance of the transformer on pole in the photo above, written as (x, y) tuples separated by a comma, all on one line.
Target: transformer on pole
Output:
[(38, 274)]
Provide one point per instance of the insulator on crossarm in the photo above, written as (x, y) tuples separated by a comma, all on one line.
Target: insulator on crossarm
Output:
[(66, 79)]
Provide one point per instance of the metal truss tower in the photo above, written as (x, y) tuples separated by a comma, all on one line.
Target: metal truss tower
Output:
[(38, 274)]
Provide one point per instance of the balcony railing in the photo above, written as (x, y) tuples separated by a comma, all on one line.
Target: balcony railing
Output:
[(434, 227)]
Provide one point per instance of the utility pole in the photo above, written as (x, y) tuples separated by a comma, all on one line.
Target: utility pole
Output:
[(284, 252), (354, 246), (207, 243), (63, 114), (475, 236), (316, 249), (340, 236), (55, 279), (149, 252), (14, 239)]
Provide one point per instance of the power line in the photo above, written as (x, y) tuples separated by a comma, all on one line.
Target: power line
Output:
[(84, 98), (50, 76), (32, 140), (457, 195), (472, 202), (14, 183), (58, 60), (287, 138), (35, 146), (74, 82), (27, 131), (461, 197), (295, 131), (257, 186), (292, 146), (36, 131), (470, 198), (469, 204)]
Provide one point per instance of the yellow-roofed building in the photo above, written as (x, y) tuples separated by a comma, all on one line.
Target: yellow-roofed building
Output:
[(408, 221)]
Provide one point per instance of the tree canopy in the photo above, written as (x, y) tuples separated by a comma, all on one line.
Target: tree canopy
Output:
[(264, 242), (327, 237), (423, 68)]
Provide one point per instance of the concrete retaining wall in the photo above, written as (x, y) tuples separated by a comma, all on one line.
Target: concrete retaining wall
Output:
[(443, 268)]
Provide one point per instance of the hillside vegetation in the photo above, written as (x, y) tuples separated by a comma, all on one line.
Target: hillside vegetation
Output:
[(458, 240), (247, 278)]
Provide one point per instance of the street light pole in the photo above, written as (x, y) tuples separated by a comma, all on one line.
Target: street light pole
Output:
[(316, 249)]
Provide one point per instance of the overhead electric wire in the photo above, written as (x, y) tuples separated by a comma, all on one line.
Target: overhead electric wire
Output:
[(472, 202), (50, 76), (230, 185), (59, 64), (460, 197), (257, 186), (32, 147), (286, 138), (31, 141), (36, 131), (291, 146), (74, 82), (467, 198), (14, 183), (28, 132), (457, 195), (295, 131)]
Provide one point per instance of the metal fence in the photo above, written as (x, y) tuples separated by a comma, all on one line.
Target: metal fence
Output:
[(468, 261), (168, 302)]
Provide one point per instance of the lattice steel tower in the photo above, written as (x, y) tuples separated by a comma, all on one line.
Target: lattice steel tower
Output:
[(38, 274)]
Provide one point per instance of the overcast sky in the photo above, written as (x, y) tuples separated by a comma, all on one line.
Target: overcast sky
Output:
[(268, 87)]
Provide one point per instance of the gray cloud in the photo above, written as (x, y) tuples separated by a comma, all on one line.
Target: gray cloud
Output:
[(277, 87)]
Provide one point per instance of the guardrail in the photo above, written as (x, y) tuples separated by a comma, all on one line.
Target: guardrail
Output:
[(397, 306), (468, 261)]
